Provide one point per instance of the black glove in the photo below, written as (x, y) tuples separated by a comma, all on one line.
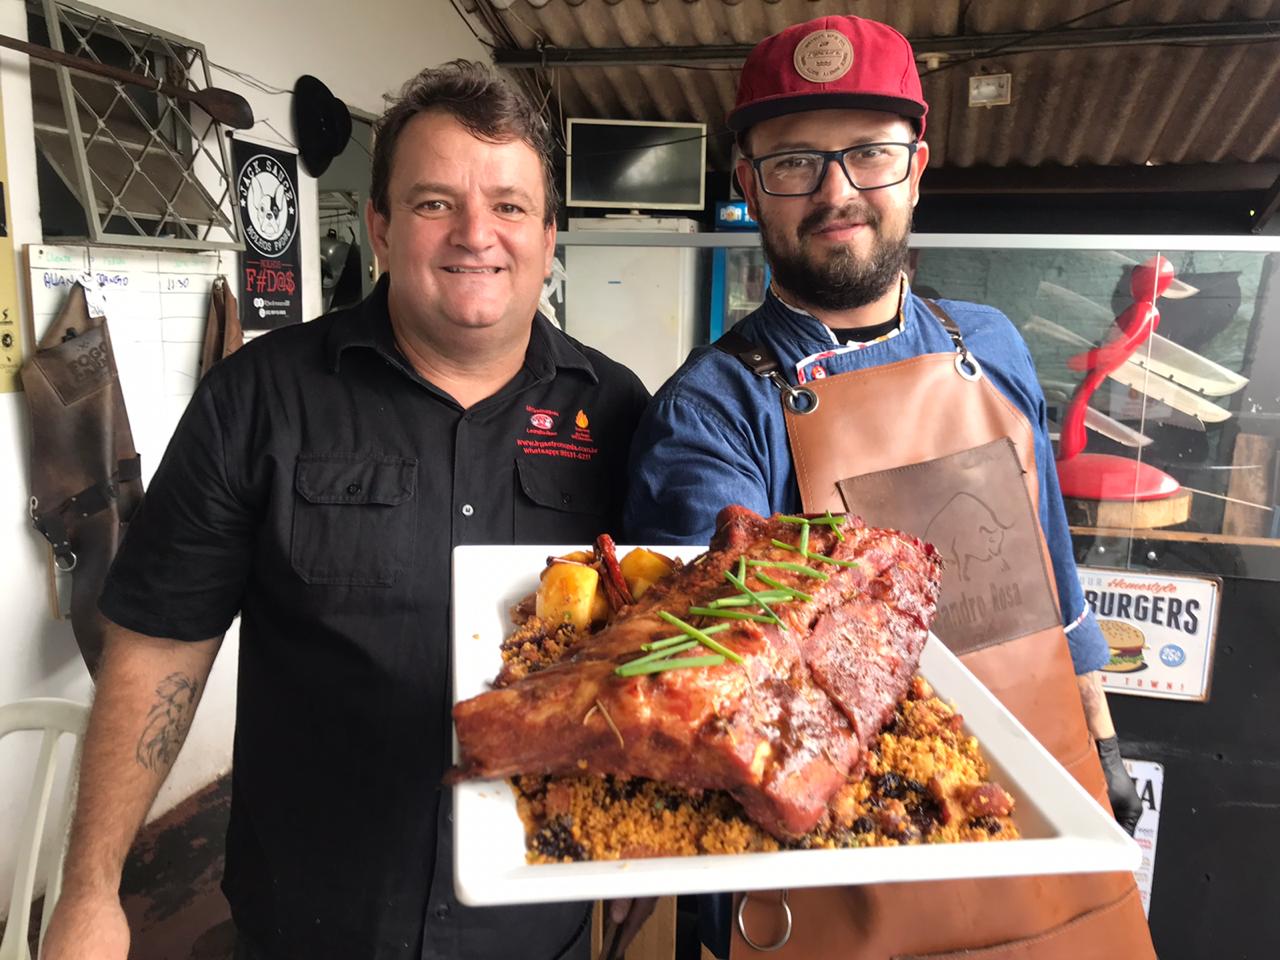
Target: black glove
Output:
[(1125, 802)]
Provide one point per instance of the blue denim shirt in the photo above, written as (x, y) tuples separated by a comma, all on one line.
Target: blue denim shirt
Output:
[(715, 434)]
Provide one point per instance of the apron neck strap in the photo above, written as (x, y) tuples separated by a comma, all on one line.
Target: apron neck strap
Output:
[(757, 358), (952, 328), (762, 361), (966, 364)]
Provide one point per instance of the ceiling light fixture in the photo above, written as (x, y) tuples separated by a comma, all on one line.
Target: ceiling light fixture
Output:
[(990, 90)]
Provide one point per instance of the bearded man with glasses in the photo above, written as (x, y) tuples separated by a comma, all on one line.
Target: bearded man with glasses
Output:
[(846, 391)]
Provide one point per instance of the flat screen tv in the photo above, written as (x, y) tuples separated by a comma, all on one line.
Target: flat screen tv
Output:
[(636, 164)]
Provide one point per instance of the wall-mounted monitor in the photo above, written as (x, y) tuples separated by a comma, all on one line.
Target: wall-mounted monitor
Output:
[(636, 164)]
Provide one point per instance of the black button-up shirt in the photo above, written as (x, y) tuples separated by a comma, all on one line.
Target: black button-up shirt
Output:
[(316, 485)]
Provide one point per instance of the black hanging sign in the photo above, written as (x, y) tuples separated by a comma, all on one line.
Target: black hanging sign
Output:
[(271, 267)]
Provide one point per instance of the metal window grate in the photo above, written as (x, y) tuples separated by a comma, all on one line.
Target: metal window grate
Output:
[(147, 169)]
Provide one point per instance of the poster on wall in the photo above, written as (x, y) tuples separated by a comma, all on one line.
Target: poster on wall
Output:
[(1159, 629), (1148, 780), (266, 184)]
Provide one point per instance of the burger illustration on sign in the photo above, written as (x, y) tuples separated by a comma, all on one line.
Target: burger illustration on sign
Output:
[(1125, 643)]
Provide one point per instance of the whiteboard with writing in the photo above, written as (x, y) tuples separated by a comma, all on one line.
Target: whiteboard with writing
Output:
[(157, 304)]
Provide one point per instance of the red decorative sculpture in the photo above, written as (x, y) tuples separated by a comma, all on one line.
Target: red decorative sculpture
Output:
[(1100, 476)]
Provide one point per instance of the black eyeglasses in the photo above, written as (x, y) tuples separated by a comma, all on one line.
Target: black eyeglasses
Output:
[(868, 166)]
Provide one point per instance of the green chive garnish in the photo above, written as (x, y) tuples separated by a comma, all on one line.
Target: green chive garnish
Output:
[(823, 558), (699, 635), (680, 638), (742, 567), (799, 568), (820, 557), (829, 520), (798, 594), (675, 663), (804, 539), (728, 614), (760, 601), (783, 594), (835, 523), (666, 652)]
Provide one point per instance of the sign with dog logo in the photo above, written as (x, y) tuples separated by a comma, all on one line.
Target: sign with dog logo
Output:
[(1160, 631), (267, 201)]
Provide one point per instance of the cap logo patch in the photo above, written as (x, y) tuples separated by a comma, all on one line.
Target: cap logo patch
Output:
[(824, 56)]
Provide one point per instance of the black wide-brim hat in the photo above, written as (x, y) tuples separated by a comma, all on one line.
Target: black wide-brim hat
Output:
[(321, 122)]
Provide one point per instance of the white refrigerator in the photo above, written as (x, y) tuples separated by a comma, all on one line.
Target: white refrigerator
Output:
[(638, 305)]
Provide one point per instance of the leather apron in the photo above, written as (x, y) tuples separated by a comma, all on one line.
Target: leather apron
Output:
[(86, 479), (223, 334), (930, 446)]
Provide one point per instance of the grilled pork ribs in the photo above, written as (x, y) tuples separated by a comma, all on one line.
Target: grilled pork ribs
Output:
[(783, 729)]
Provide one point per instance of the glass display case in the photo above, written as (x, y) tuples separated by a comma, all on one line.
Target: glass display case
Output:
[(1159, 358), (1160, 363), (738, 281)]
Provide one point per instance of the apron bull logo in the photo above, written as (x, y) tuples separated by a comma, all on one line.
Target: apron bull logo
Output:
[(967, 531)]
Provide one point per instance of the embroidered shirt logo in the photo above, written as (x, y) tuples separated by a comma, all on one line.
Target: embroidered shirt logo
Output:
[(542, 422)]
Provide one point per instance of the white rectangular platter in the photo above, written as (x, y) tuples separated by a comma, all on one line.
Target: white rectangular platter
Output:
[(1063, 829)]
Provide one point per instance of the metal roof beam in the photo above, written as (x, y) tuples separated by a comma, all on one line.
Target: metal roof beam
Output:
[(1117, 179), (973, 46)]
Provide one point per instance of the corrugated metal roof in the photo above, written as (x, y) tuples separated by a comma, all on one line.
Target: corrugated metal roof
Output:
[(1180, 103)]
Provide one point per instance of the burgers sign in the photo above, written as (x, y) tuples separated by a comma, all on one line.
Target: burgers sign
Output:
[(1159, 631)]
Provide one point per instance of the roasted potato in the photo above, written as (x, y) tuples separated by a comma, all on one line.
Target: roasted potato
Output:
[(642, 569), (567, 594), (599, 606)]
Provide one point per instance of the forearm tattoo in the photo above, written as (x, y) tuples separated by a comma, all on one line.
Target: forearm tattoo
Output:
[(1090, 685), (167, 722), (1094, 699)]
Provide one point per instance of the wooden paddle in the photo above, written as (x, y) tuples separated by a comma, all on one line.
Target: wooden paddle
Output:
[(223, 105)]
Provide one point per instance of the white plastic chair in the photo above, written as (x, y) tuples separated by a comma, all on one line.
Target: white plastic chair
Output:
[(53, 717)]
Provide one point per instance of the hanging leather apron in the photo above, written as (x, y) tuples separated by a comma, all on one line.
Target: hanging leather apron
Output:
[(930, 446), (86, 478), (223, 335)]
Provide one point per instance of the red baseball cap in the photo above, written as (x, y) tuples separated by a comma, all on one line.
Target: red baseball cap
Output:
[(830, 63)]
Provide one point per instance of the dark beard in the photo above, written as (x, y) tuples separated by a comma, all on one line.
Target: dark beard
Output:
[(841, 282)]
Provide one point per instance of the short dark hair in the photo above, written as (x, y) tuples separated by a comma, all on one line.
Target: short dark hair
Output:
[(488, 105)]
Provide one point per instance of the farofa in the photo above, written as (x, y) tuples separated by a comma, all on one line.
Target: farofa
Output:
[(534, 645)]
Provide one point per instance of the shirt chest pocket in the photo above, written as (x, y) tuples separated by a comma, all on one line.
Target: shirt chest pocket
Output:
[(354, 518), (562, 502)]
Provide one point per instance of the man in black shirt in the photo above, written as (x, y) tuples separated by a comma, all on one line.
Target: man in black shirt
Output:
[(317, 485)]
